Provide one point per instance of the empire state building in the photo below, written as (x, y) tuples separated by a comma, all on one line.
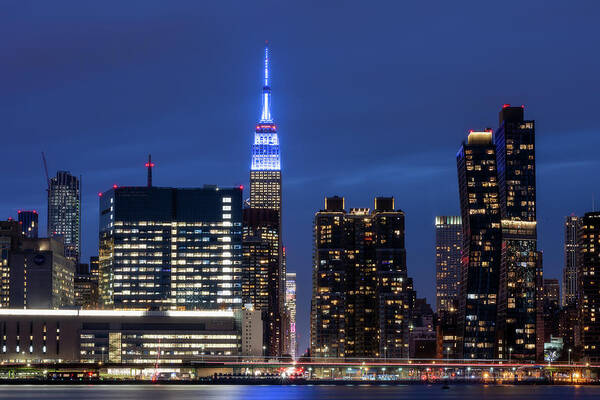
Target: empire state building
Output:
[(265, 171), (263, 281)]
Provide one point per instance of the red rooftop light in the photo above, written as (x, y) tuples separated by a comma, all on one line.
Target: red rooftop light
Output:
[(505, 105), (241, 187), (115, 186), (99, 194)]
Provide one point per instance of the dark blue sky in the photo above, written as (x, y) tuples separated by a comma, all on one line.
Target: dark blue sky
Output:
[(371, 98)]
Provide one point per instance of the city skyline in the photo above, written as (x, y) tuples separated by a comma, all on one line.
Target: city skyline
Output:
[(424, 183)]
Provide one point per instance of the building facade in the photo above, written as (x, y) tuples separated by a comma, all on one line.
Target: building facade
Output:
[(448, 245), (290, 307), (64, 212), (171, 249), (362, 295), (261, 273), (481, 251), (86, 288), (28, 220), (589, 286), (132, 337), (422, 339), (515, 152), (569, 284), (551, 304), (34, 272), (252, 332)]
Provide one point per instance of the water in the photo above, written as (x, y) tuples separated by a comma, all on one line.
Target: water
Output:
[(171, 392)]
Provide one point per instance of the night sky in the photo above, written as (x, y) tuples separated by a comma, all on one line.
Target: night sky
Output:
[(371, 98)]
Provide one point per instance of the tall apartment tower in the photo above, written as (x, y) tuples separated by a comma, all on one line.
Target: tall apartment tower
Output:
[(261, 273), (265, 194), (589, 286), (569, 281), (170, 248), (481, 251), (515, 152), (362, 295), (290, 306), (448, 247), (28, 220), (64, 212)]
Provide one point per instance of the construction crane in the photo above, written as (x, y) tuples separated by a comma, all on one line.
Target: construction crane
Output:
[(46, 170)]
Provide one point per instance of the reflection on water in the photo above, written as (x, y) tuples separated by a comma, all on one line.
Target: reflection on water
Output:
[(362, 392)]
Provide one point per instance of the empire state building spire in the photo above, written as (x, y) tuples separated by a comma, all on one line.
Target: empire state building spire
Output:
[(265, 150), (265, 116)]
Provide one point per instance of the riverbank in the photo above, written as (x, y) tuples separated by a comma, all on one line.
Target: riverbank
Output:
[(285, 382)]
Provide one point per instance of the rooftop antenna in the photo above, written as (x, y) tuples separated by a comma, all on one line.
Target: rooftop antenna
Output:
[(149, 165)]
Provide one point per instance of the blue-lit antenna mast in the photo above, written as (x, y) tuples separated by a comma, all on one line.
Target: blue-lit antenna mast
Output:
[(265, 150), (265, 116)]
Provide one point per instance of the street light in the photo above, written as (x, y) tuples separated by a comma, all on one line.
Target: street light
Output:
[(385, 352), (509, 354), (569, 356)]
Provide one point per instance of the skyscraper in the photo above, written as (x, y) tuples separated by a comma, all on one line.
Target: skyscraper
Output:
[(265, 194), (480, 210), (589, 286), (34, 273), (265, 170), (551, 308), (290, 305), (261, 273), (170, 248), (515, 152), (362, 295), (569, 283), (64, 212), (448, 246), (86, 288), (94, 267), (29, 223)]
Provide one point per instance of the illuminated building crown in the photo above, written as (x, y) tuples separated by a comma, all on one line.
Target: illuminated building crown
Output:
[(265, 150)]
